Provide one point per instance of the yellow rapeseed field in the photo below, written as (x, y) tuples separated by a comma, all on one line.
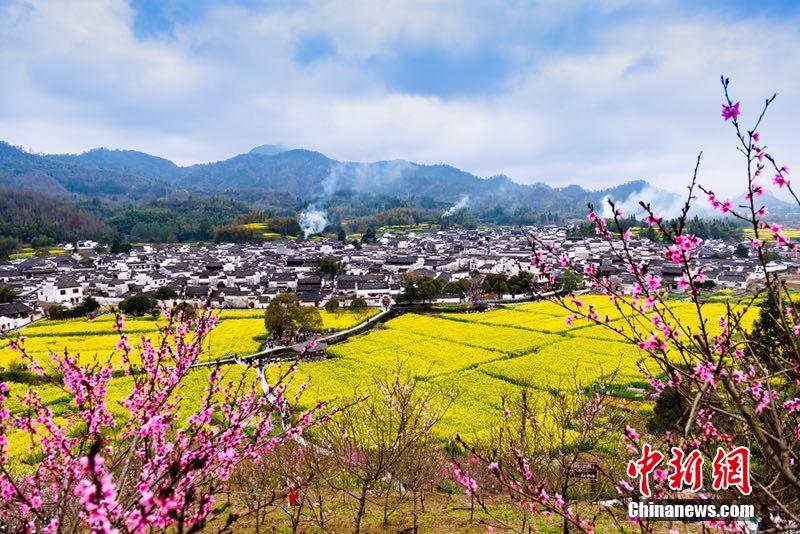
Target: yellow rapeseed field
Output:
[(481, 357)]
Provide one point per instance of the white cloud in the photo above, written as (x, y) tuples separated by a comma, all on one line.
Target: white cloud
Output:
[(635, 99)]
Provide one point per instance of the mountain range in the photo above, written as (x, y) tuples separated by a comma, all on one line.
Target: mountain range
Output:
[(128, 175), (283, 181)]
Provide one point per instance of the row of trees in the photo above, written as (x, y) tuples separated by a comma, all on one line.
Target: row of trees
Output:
[(500, 283), (87, 307), (424, 289), (704, 228)]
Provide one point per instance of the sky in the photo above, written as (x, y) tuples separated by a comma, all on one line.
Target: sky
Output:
[(594, 93)]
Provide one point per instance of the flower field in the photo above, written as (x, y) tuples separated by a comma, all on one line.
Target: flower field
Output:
[(485, 357), (482, 357), (238, 332)]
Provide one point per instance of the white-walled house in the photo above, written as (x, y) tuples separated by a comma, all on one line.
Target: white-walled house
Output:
[(64, 291)]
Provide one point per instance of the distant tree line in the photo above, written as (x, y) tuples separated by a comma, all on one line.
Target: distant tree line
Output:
[(725, 229), (87, 307)]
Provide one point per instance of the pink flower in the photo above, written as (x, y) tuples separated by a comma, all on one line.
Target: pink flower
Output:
[(653, 221), (730, 112), (756, 137), (780, 181)]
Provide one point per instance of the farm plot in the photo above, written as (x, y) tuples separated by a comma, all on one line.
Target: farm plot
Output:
[(560, 365), (498, 338), (95, 339), (423, 356)]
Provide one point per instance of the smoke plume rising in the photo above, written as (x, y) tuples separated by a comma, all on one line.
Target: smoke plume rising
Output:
[(462, 203), (355, 176)]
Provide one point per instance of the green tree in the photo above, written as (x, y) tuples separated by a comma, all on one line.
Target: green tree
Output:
[(332, 306), (410, 293), (7, 246), (495, 283), (342, 235), (89, 305), (669, 413), (284, 315), (57, 311), (427, 290), (358, 305), (42, 242), (7, 294), (741, 251), (166, 293), (330, 268), (138, 305), (309, 319), (520, 283), (118, 247), (369, 236), (571, 282), (769, 335)]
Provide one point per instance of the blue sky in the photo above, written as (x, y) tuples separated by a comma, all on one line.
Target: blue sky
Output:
[(590, 92)]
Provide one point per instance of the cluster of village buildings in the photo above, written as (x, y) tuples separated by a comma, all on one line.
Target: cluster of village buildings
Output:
[(249, 275)]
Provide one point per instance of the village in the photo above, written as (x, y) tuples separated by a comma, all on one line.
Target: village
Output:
[(250, 275)]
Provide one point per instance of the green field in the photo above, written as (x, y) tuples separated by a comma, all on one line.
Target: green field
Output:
[(480, 356)]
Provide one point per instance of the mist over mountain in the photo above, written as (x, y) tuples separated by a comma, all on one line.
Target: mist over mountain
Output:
[(321, 192), (269, 150), (292, 175)]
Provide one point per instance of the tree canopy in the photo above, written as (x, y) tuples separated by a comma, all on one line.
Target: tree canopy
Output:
[(284, 315)]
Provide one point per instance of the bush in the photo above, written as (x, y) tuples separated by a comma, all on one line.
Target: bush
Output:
[(166, 293), (186, 308), (358, 305), (332, 306), (57, 311), (139, 305)]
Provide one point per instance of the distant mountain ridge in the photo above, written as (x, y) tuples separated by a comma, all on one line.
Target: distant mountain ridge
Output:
[(123, 161), (61, 179), (286, 173), (137, 196)]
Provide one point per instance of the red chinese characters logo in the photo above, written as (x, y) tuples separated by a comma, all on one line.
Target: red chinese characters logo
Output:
[(732, 469), (687, 470), (644, 466), (728, 470)]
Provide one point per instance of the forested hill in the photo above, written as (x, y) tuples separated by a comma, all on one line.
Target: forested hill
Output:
[(280, 179), (26, 215), (32, 172), (141, 197)]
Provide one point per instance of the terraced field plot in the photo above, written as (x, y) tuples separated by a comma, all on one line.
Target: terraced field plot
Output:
[(487, 356)]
